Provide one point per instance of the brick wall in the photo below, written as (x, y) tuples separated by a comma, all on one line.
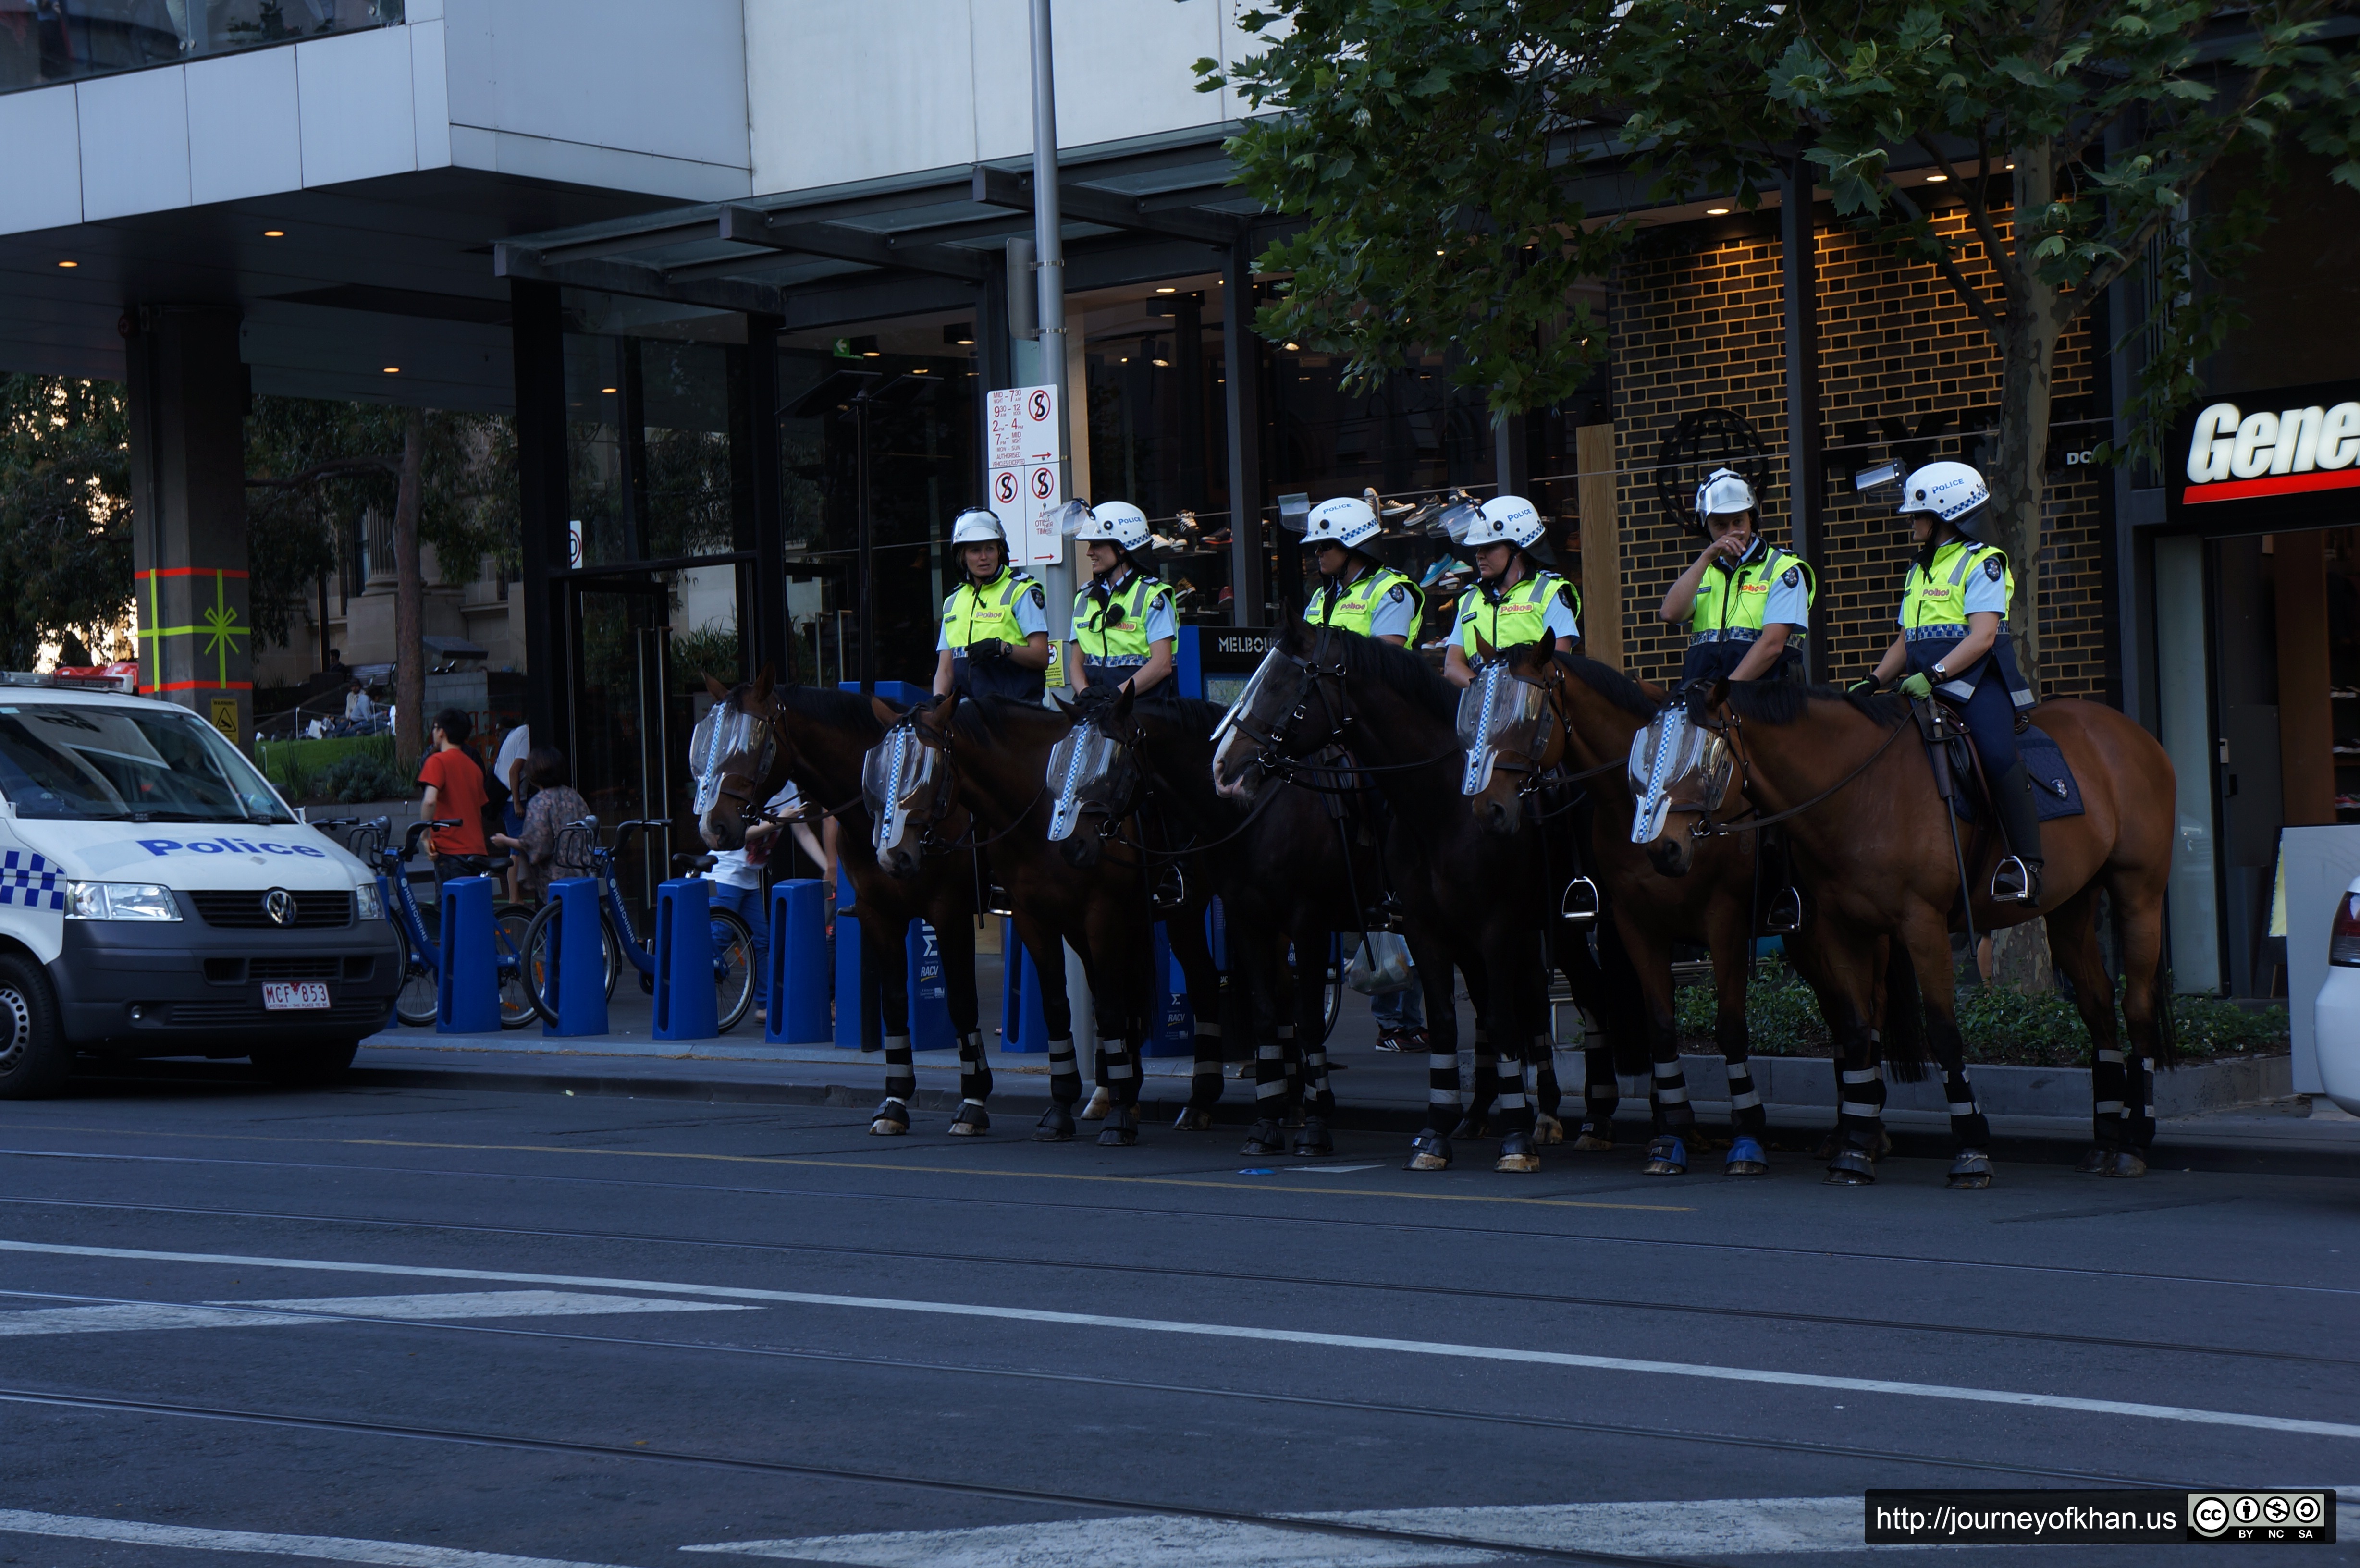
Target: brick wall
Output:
[(1906, 372)]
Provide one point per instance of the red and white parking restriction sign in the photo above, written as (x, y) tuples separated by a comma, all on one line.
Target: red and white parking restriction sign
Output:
[(1027, 443)]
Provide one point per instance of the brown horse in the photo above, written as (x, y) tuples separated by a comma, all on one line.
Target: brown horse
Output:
[(1875, 855), (818, 737)]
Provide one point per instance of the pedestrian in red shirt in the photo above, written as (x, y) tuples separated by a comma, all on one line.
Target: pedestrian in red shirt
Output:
[(454, 788)]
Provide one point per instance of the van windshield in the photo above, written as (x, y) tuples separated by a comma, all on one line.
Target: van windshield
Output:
[(83, 762)]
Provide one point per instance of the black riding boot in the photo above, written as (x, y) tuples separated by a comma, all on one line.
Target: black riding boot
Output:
[(2017, 879)]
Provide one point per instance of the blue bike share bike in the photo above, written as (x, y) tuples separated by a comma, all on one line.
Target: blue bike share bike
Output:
[(422, 928), (733, 940)]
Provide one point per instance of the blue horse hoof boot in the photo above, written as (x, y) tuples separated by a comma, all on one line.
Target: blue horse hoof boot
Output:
[(1313, 1140), (1121, 1129), (1852, 1168), (1746, 1158), (1265, 1136), (1429, 1151), (1194, 1118), (1667, 1156), (1055, 1125), (1971, 1172)]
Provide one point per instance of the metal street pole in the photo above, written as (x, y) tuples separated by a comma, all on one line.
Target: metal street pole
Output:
[(1049, 263)]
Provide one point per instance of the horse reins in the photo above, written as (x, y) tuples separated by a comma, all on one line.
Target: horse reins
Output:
[(1706, 827)]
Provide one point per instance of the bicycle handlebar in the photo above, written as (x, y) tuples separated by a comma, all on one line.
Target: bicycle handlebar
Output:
[(418, 831)]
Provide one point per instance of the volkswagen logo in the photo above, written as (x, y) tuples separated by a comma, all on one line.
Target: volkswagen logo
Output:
[(280, 905)]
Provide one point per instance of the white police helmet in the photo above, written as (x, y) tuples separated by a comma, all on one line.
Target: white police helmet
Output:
[(1723, 492), (1508, 519), (1347, 521), (1951, 491), (976, 525), (1120, 523)]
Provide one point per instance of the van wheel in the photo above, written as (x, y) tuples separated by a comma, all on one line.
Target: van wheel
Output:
[(34, 1059), (317, 1063)]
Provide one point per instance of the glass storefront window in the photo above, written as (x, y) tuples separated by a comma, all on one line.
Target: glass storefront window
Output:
[(2184, 683), (45, 41), (654, 399)]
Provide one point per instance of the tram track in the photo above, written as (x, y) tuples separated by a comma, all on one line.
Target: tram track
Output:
[(1470, 1230), (1793, 1446), (1471, 1293)]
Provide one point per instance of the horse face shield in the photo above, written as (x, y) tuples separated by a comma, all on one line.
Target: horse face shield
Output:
[(1252, 723), (1085, 769), (1674, 765), (896, 771), (1500, 715), (725, 736)]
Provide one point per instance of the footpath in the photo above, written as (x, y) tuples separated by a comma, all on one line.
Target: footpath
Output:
[(2240, 1114)]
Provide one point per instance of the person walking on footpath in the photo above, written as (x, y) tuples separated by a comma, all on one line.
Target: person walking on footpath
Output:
[(455, 789)]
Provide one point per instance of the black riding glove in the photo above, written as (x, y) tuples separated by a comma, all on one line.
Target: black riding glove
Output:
[(987, 648), (1095, 700)]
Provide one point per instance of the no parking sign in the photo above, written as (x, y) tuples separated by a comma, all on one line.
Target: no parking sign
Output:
[(1028, 448)]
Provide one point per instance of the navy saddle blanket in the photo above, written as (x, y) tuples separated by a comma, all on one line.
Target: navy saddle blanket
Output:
[(2055, 791)]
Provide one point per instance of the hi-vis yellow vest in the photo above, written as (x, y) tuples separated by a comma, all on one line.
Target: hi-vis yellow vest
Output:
[(1517, 616), (1934, 596), (1355, 609), (1728, 604), (1122, 640), (977, 613)]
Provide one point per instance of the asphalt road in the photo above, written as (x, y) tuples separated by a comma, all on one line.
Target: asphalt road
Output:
[(452, 1329)]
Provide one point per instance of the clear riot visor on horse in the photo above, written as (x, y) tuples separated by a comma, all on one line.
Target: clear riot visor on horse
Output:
[(1275, 666), (1668, 749), (1498, 715), (724, 732), (891, 775), (1084, 771)]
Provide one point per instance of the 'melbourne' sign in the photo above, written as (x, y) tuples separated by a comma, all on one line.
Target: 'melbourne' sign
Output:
[(2286, 457)]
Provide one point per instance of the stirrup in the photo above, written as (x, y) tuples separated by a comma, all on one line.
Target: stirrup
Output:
[(2016, 880), (1170, 889), (1785, 914), (1581, 903)]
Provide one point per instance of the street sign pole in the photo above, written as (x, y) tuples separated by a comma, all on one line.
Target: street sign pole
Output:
[(1049, 259)]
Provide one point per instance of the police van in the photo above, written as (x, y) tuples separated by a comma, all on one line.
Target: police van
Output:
[(158, 899)]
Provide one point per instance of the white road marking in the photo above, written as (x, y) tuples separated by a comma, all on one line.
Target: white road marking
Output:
[(335, 1548), (1328, 1169), (1721, 1527), (1141, 1540), (1513, 1354), (122, 1317)]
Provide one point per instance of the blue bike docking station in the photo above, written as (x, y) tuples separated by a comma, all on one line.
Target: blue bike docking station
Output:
[(579, 958), (686, 1007), (797, 985), (1173, 1032), (467, 991), (858, 1014)]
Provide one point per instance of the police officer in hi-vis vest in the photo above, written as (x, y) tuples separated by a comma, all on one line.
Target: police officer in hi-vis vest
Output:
[(1955, 645), (1357, 591), (1747, 603), (1124, 623), (1516, 599), (995, 638)]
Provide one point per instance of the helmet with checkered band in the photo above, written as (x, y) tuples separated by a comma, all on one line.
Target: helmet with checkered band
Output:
[(1511, 520), (1118, 523), (1347, 521), (1951, 492)]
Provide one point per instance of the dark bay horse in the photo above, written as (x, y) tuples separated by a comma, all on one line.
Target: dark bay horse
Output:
[(991, 758), (1468, 896), (818, 737), (1874, 855)]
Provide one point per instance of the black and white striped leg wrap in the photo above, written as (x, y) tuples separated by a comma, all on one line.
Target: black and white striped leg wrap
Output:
[(1745, 1112), (975, 1071), (1120, 1070), (1270, 1072), (1672, 1093), (2107, 1117), (2138, 1102), (1860, 1104), (1315, 1077), (901, 1075), (1442, 1081), (1968, 1124), (1065, 1076), (1511, 1081)]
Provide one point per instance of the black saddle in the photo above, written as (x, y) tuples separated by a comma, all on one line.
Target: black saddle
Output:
[(1960, 777)]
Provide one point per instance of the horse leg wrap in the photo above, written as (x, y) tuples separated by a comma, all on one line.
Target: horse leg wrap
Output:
[(1540, 1082), (1204, 1081), (893, 1117), (1672, 1096), (1745, 1114), (1600, 1092), (1315, 1079), (1056, 1124), (2106, 1119), (975, 1075), (1121, 1129), (1859, 1125), (1518, 1153), (1968, 1124)]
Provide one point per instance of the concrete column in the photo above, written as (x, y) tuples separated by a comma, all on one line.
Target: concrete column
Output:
[(188, 388)]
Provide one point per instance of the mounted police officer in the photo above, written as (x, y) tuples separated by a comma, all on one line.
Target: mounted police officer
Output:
[(1954, 643), (995, 636), (1747, 603), (1516, 599), (1357, 591), (1124, 623)]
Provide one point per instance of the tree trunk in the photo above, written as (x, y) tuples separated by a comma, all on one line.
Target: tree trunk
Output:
[(2018, 471), (408, 605)]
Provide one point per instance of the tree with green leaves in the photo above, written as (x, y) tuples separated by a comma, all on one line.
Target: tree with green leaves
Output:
[(65, 515), (1458, 166)]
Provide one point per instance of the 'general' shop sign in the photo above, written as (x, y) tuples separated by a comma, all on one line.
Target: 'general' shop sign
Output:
[(2265, 458)]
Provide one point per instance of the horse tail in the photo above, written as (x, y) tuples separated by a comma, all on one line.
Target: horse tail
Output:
[(1904, 1034)]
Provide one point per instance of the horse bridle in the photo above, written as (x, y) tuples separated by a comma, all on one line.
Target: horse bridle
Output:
[(1732, 731), (1535, 775)]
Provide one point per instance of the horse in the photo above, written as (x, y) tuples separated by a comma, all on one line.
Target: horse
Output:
[(818, 738), (1467, 899), (1600, 712), (1875, 853), (991, 758)]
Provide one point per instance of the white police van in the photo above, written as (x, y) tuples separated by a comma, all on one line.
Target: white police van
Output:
[(158, 899)]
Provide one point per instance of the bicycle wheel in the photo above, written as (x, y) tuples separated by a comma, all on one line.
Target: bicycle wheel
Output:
[(510, 925), (419, 999), (733, 968), (538, 969)]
